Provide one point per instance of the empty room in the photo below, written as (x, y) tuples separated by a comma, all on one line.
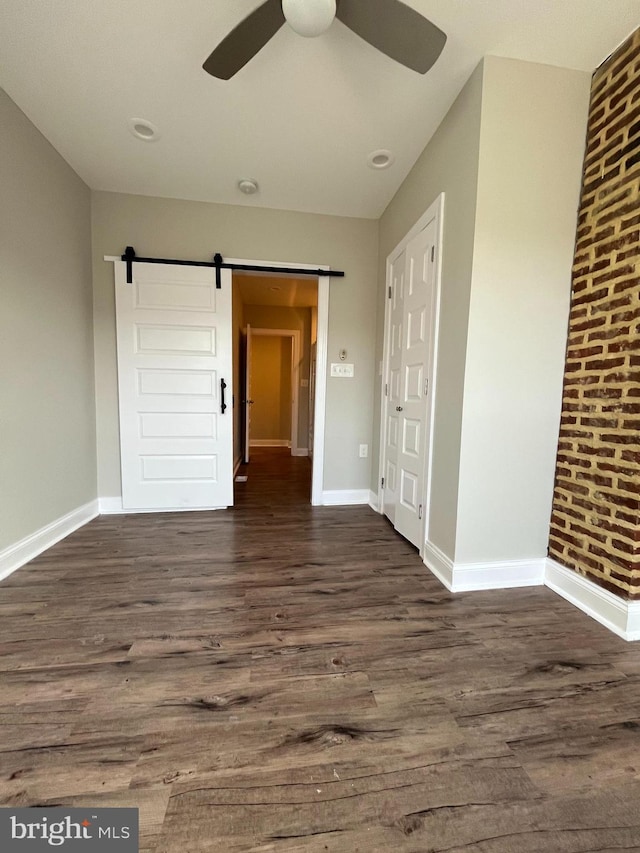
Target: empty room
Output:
[(320, 426)]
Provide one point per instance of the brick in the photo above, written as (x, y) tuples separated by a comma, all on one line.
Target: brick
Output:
[(632, 486), (584, 352), (598, 479), (608, 334), (591, 323), (607, 423), (624, 346), (613, 275), (603, 364), (624, 563), (603, 393)]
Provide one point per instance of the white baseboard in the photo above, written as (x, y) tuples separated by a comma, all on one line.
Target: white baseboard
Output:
[(110, 506), (373, 501), (620, 616), (466, 577), (31, 546), (345, 497), (502, 575), (300, 451), (269, 442), (439, 564)]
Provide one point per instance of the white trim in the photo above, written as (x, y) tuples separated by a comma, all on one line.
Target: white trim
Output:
[(373, 500), (320, 409), (465, 577), (301, 451), (31, 546), (501, 575), (438, 564), (433, 365), (270, 442), (296, 357), (111, 506), (620, 616), (345, 497)]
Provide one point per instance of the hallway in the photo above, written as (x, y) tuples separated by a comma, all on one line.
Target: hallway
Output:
[(280, 677), (275, 479)]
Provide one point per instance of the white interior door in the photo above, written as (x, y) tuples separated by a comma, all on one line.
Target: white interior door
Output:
[(414, 391), (393, 388), (174, 361), (248, 400)]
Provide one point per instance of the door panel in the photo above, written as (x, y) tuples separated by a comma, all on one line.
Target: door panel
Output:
[(394, 385), (174, 353), (415, 368)]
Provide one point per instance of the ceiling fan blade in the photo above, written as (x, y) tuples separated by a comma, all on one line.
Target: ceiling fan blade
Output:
[(395, 29), (245, 40)]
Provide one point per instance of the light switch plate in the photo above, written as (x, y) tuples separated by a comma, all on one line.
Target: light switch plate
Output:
[(343, 370)]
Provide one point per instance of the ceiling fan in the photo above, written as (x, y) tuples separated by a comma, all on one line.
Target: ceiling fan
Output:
[(392, 27)]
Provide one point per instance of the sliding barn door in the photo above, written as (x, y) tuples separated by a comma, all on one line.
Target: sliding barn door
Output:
[(174, 361)]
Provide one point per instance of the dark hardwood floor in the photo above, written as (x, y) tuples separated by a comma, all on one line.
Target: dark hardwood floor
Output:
[(282, 678)]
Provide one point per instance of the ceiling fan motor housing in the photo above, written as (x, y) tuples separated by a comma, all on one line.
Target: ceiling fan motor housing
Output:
[(309, 18)]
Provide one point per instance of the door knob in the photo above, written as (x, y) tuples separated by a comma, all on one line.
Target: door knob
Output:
[(399, 408)]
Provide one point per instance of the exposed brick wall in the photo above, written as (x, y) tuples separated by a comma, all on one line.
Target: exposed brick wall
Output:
[(595, 525)]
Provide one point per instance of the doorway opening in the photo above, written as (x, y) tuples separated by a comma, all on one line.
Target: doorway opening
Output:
[(275, 340)]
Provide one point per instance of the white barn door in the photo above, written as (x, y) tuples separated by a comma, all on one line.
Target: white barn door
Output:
[(174, 339)]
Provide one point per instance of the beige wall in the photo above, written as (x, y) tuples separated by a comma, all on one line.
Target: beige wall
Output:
[(185, 229), (448, 164), (277, 317), (508, 158), (531, 148), (271, 388), (47, 414)]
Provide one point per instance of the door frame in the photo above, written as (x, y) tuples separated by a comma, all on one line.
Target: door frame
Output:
[(434, 211), (294, 334), (317, 461)]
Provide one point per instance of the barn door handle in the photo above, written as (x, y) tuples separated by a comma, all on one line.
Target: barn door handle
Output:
[(223, 405)]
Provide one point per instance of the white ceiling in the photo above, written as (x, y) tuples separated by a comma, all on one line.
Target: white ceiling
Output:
[(300, 118)]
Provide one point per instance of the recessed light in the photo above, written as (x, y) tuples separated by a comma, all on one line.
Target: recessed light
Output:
[(380, 159), (143, 129), (248, 186)]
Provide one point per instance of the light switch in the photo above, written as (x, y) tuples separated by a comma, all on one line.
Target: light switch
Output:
[(345, 371)]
